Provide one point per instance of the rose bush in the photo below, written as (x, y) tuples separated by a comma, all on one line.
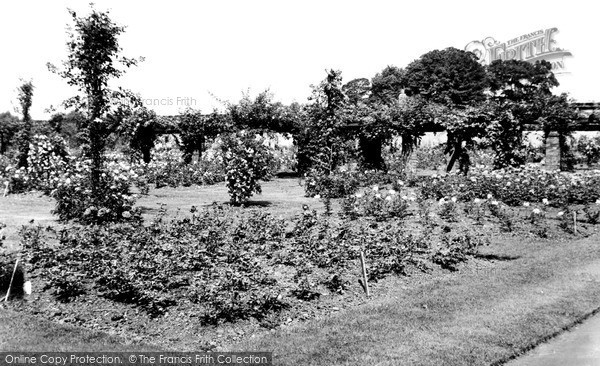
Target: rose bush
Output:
[(514, 186), (246, 160)]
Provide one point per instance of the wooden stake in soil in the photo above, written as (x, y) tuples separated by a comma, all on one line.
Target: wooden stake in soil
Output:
[(364, 272), (11, 280), (575, 222), (5, 190)]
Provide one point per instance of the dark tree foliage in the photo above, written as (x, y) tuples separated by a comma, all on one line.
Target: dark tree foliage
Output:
[(455, 80), (449, 77), (23, 136), (411, 116), (25, 98), (322, 137), (9, 126), (69, 126), (463, 124), (386, 86), (195, 129), (371, 121), (517, 80), (261, 114), (141, 130), (557, 113), (357, 90), (517, 87)]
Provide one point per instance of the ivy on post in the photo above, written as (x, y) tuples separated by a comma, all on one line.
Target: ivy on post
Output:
[(553, 151)]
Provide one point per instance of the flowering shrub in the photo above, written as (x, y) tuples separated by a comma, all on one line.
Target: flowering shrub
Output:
[(592, 213), (284, 158), (47, 160), (589, 148), (74, 199), (448, 209), (456, 247), (335, 185), (246, 161), (377, 203), (514, 186), (220, 261), (167, 167), (430, 157)]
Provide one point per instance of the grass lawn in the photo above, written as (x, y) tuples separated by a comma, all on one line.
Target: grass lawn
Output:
[(483, 315), (19, 332), (521, 293)]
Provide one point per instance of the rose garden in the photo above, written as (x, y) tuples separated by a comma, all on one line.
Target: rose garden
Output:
[(226, 229)]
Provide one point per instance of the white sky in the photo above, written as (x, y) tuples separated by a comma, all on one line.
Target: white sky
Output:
[(195, 48)]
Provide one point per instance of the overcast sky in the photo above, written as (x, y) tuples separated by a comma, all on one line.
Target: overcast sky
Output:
[(199, 50)]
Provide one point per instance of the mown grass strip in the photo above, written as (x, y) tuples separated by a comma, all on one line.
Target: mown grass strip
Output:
[(470, 318)]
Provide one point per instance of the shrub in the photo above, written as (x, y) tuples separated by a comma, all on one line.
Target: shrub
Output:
[(589, 148), (456, 247), (246, 161), (47, 161), (430, 157), (154, 267), (167, 167), (74, 199), (377, 203), (335, 185), (448, 209), (514, 186)]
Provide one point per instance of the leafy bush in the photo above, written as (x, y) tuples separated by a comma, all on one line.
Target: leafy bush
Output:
[(167, 167), (514, 186), (47, 160), (246, 160), (430, 157), (380, 204), (448, 209), (207, 259), (226, 263), (589, 148), (114, 203), (456, 247), (335, 185)]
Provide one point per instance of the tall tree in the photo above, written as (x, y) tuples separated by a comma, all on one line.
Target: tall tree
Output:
[(386, 86), (451, 77), (516, 87), (94, 54), (455, 80)]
